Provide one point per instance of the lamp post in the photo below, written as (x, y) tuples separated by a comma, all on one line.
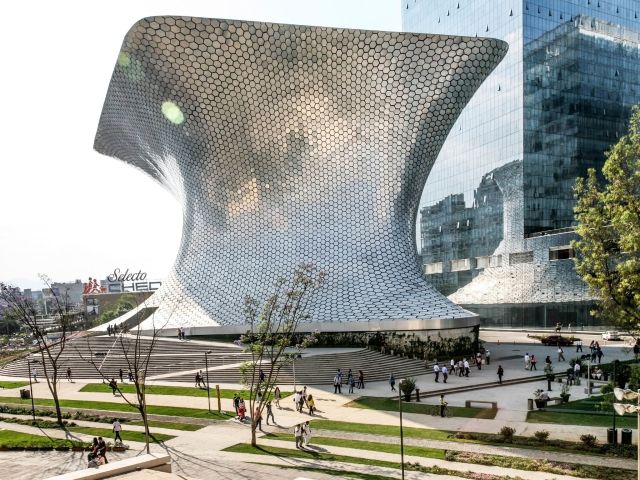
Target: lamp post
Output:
[(622, 408), (401, 433), (206, 366), (615, 432), (33, 407)]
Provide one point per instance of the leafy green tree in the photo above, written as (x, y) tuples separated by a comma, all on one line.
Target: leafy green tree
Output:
[(608, 216), (124, 304)]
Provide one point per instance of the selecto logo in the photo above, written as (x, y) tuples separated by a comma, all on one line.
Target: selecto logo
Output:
[(126, 281)]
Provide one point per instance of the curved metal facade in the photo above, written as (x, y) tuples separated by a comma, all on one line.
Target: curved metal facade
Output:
[(289, 144)]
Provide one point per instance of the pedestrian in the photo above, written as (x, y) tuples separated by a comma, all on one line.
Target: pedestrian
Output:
[(487, 355), (34, 372), (527, 361), (179, 333), (558, 327), (443, 405), (102, 450), (306, 433), (578, 345), (360, 379), (452, 365), (479, 360), (130, 373), (467, 370), (576, 370), (277, 396), (258, 418), (296, 399), (534, 362), (311, 403), (560, 354), (599, 354), (352, 383), (547, 360), (392, 382), (500, 373), (117, 428), (445, 373), (270, 412), (121, 376), (436, 370), (236, 402), (340, 376), (337, 388), (592, 345), (197, 379), (242, 409), (460, 368), (301, 401), (297, 432), (261, 376), (113, 385), (349, 380), (69, 375)]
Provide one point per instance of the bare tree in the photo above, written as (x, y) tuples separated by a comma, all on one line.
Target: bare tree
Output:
[(24, 310), (272, 339), (136, 350)]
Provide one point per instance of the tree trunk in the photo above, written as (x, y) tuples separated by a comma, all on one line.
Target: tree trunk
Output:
[(145, 421), (254, 440), (56, 400)]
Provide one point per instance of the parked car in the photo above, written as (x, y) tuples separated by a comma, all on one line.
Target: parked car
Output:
[(558, 340), (611, 335)]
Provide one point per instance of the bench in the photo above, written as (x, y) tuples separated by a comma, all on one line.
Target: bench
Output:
[(494, 405), (160, 463), (555, 400)]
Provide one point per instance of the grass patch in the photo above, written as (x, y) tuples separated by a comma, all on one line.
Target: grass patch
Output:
[(336, 473), (127, 435), (390, 405), (366, 445), (537, 465), (9, 385), (123, 407), (11, 439), (188, 427), (389, 430), (567, 418), (169, 390)]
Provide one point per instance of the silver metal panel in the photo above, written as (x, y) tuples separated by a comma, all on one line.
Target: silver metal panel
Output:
[(289, 144)]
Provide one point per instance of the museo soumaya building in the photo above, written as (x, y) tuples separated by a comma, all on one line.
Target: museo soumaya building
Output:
[(497, 218), (288, 144)]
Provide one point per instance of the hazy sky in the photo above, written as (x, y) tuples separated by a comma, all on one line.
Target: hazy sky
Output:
[(66, 210)]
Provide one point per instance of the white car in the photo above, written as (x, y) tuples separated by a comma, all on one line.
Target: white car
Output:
[(611, 335)]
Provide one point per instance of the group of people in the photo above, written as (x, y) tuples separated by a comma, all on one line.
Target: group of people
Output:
[(200, 383), (303, 399), (596, 351), (338, 380), (302, 432), (115, 329), (530, 361), (98, 453), (181, 334)]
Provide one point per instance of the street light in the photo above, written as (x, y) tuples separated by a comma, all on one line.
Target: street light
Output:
[(622, 408), (401, 433), (206, 366)]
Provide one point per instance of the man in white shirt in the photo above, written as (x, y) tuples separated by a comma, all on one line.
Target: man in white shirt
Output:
[(445, 373), (576, 370), (527, 361), (436, 370), (117, 428), (466, 367)]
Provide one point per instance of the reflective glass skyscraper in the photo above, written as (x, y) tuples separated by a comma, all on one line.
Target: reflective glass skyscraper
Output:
[(497, 210)]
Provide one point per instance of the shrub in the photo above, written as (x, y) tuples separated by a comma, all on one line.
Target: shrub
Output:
[(589, 440), (407, 385), (541, 435), (507, 433)]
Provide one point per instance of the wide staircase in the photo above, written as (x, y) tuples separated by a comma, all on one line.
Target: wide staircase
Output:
[(175, 361)]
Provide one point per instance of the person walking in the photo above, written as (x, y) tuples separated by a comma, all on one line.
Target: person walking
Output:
[(296, 399), (560, 354), (445, 374), (443, 405), (301, 401), (337, 381), (467, 370), (258, 418), (69, 375), (306, 433), (236, 402), (113, 385), (578, 345), (117, 428), (479, 360), (527, 361), (352, 383), (121, 376), (311, 403), (392, 382), (576, 370), (599, 354), (297, 433), (34, 372), (269, 408), (534, 362), (360, 379), (436, 370), (277, 395), (500, 373), (460, 368), (487, 355), (547, 360)]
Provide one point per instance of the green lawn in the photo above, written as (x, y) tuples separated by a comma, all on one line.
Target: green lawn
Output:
[(366, 445), (189, 427), (566, 418), (9, 385), (123, 407), (391, 431), (390, 405), (169, 390), (11, 439), (127, 435), (310, 455)]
